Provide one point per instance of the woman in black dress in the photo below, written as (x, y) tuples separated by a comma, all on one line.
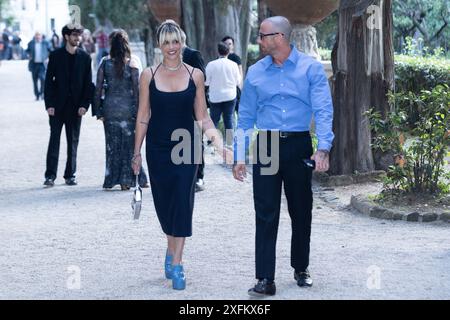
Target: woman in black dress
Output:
[(170, 94), (118, 84)]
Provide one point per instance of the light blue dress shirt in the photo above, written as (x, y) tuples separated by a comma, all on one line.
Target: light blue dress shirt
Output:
[(284, 98)]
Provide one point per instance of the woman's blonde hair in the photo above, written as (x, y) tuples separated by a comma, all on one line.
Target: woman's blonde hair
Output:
[(170, 30)]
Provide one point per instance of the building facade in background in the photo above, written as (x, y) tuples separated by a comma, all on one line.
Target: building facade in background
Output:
[(38, 15)]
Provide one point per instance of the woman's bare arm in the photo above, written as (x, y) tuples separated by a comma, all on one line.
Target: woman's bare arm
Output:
[(143, 114), (202, 116)]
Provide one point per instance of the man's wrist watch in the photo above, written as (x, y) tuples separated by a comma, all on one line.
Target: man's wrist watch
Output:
[(324, 151)]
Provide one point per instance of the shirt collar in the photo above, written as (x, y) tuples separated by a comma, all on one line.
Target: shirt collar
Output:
[(293, 57)]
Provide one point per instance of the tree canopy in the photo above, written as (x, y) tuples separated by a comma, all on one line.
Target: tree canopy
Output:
[(427, 19)]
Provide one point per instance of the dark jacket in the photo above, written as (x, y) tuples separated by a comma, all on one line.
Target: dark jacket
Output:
[(194, 58), (45, 47), (57, 91)]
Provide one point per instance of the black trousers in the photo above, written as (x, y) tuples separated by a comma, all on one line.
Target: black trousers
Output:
[(72, 127), (38, 74), (296, 178)]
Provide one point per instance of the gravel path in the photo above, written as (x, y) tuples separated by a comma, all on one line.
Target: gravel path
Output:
[(49, 237)]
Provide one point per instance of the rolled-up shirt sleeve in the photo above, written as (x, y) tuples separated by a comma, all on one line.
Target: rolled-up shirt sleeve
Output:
[(322, 106)]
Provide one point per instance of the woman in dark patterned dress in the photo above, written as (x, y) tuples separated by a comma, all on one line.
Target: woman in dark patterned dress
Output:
[(118, 81), (169, 96)]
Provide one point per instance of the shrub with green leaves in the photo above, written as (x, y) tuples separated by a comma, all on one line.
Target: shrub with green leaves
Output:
[(325, 54), (252, 54), (420, 152), (414, 74)]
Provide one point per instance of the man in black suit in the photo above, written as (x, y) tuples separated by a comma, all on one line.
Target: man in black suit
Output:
[(194, 58), (68, 88)]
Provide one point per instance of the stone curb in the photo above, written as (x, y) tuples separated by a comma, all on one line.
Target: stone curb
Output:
[(346, 180), (369, 208)]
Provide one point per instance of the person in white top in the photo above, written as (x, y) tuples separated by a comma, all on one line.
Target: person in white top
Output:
[(222, 78)]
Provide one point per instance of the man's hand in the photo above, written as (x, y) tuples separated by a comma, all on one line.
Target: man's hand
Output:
[(322, 159), (82, 112), (51, 112), (240, 172)]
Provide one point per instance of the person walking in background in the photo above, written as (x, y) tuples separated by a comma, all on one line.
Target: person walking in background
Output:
[(194, 58), (235, 58), (68, 94), (88, 45), (169, 94), (101, 40), (281, 93), (38, 52), (55, 41), (17, 52), (118, 81), (6, 44), (87, 42), (222, 78)]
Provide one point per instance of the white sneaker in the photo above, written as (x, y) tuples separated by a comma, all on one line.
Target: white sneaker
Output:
[(199, 185)]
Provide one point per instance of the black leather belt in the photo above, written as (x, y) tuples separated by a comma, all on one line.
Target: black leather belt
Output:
[(288, 134)]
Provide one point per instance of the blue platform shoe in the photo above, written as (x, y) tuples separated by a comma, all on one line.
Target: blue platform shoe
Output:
[(168, 265), (178, 278)]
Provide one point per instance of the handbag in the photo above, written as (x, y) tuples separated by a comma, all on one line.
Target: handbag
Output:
[(136, 202)]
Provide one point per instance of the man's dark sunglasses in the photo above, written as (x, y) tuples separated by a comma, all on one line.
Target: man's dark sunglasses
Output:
[(262, 35)]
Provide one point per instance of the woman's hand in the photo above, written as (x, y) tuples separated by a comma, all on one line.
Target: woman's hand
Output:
[(136, 163)]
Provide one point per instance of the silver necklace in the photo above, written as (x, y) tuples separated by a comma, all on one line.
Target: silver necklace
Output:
[(172, 68)]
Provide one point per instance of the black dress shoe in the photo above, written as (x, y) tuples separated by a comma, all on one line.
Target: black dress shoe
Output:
[(71, 182), (49, 182), (303, 279), (263, 288)]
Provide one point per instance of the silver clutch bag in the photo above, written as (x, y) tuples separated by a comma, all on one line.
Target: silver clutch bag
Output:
[(136, 203)]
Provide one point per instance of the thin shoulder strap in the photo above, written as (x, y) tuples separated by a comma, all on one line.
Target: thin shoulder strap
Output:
[(190, 72), (154, 72)]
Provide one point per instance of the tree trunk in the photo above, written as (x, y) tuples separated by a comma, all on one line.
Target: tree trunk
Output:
[(150, 37), (206, 22), (158, 11), (363, 74), (263, 11)]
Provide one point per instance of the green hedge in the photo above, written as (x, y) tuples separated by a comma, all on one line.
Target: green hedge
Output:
[(414, 74), (418, 73)]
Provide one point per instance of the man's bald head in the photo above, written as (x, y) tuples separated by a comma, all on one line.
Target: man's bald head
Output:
[(282, 25)]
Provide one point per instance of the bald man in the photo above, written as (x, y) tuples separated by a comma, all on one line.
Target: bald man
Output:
[(280, 95)]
